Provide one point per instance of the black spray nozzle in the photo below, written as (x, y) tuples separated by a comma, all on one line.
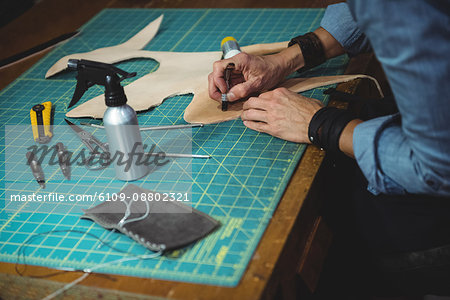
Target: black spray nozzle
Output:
[(94, 72)]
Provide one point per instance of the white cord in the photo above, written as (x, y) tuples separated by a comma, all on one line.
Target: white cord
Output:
[(66, 287), (88, 271), (124, 220)]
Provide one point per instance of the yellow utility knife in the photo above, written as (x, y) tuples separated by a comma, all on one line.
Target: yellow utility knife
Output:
[(40, 116)]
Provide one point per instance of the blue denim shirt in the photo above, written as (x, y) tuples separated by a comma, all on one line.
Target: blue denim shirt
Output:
[(408, 152)]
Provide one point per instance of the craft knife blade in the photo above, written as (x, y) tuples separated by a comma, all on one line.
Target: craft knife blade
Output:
[(36, 169), (63, 160)]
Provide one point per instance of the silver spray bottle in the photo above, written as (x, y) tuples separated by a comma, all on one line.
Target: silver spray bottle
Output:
[(121, 124), (124, 136)]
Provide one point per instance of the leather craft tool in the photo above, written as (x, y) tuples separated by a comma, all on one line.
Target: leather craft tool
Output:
[(169, 127), (63, 160), (181, 155), (88, 139), (40, 116), (92, 143), (229, 69), (36, 169), (230, 48)]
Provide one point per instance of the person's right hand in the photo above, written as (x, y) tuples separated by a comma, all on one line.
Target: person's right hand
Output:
[(252, 74)]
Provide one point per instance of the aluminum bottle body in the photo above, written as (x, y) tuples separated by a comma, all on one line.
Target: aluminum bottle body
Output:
[(125, 142)]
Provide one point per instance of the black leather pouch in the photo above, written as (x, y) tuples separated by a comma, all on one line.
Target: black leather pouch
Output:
[(159, 225)]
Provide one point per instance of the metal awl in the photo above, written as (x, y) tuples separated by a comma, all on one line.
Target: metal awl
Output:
[(63, 159), (36, 169), (228, 71)]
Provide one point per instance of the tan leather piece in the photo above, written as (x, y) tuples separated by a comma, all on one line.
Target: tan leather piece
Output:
[(112, 54), (178, 73), (205, 110)]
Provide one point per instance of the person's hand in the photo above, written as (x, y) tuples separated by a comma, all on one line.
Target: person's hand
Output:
[(281, 113), (252, 74)]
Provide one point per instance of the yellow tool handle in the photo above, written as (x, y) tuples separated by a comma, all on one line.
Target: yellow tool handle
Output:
[(226, 39), (40, 116), (230, 47)]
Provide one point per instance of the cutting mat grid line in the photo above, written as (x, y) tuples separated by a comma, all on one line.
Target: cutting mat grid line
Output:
[(240, 185)]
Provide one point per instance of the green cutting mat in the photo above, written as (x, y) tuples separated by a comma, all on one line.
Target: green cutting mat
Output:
[(240, 186)]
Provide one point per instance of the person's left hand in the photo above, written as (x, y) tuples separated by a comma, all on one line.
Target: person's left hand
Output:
[(281, 113)]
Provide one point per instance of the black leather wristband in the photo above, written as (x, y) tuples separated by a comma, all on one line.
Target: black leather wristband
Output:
[(312, 49), (340, 121), (326, 127), (317, 121)]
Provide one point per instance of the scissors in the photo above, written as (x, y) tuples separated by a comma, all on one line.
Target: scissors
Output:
[(93, 144)]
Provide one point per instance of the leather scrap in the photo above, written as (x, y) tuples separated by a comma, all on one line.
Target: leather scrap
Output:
[(169, 225)]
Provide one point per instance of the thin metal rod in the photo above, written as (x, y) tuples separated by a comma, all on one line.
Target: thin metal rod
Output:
[(180, 155), (153, 127), (92, 125), (171, 127)]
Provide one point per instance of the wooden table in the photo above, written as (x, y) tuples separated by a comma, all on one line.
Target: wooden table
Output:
[(289, 258)]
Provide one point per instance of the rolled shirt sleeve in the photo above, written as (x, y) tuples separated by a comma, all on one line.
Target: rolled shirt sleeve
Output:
[(389, 162), (339, 22), (408, 152)]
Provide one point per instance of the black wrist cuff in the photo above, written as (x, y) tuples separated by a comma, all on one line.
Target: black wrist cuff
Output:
[(312, 49), (326, 127)]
